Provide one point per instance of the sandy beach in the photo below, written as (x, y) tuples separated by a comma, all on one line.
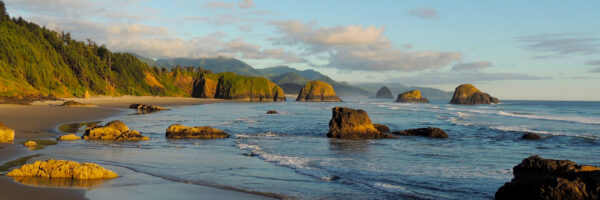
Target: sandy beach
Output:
[(39, 121)]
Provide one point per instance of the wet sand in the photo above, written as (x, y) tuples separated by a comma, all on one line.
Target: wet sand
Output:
[(40, 120)]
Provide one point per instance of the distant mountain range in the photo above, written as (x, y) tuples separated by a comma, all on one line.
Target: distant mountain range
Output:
[(290, 79)]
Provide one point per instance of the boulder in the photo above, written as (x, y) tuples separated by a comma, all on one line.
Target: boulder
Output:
[(270, 112), (539, 178), (68, 137), (425, 132), (531, 136), (30, 144), (468, 94), (411, 97), (147, 108), (382, 128), (114, 130), (348, 123), (318, 91), (86, 95), (384, 93), (6, 134), (178, 131), (63, 169), (72, 103), (228, 85)]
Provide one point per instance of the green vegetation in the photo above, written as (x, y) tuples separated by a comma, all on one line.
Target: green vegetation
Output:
[(232, 86)]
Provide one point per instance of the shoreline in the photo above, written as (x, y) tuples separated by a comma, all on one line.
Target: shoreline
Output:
[(41, 119)]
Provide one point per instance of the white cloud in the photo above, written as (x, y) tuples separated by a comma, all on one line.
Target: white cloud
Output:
[(473, 66)]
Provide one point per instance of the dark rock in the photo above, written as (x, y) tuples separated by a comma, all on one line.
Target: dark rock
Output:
[(347, 123), (531, 136), (384, 93), (538, 178), (426, 132), (178, 131), (382, 128), (469, 95), (147, 108), (270, 112), (411, 97)]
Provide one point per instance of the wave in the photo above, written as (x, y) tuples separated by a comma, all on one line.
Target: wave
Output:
[(400, 190), (577, 119), (527, 130)]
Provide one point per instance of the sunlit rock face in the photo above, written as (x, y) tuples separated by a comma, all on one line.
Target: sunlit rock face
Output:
[(318, 91), (348, 123), (114, 130), (411, 97), (62, 169), (468, 94), (178, 131), (6, 134)]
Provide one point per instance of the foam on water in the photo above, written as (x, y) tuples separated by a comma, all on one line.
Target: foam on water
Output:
[(577, 119)]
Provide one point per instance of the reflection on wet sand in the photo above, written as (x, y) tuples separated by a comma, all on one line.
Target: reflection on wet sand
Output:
[(60, 182), (74, 127)]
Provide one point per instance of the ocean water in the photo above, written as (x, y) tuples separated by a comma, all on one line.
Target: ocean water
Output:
[(288, 154)]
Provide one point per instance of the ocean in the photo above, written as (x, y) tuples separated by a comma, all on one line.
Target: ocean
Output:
[(288, 153)]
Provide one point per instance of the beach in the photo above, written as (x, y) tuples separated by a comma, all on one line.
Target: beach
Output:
[(40, 120)]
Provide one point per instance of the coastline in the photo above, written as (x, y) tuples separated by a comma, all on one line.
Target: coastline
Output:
[(40, 120)]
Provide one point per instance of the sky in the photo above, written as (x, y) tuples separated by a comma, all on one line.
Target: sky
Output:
[(527, 50)]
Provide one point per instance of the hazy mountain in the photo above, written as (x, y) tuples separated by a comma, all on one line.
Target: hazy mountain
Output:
[(309, 74), (216, 65), (290, 77)]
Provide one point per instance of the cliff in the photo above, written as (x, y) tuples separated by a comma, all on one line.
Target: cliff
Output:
[(229, 85)]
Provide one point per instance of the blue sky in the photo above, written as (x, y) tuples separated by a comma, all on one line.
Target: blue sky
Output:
[(511, 49)]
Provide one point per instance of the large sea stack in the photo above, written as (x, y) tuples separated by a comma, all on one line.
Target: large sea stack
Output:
[(411, 97), (348, 123), (384, 93), (318, 91), (229, 85), (538, 178), (468, 94)]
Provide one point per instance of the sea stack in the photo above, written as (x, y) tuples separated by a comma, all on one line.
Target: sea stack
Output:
[(384, 93), (411, 97), (467, 94), (318, 91), (348, 123), (228, 85), (539, 178)]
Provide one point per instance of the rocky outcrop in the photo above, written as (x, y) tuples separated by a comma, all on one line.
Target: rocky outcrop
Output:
[(86, 95), (348, 123), (6, 134), (468, 94), (63, 169), (531, 136), (425, 132), (318, 91), (382, 128), (229, 85), (147, 108), (384, 93), (538, 178), (411, 97), (72, 103), (178, 131), (68, 137), (114, 130), (271, 112), (30, 144)]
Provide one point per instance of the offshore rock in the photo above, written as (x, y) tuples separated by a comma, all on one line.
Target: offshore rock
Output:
[(425, 132), (468, 94), (384, 93), (348, 123), (411, 97), (318, 91), (147, 108), (229, 85), (178, 131), (114, 130)]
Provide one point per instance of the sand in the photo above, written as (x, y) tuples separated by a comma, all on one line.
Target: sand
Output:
[(41, 119)]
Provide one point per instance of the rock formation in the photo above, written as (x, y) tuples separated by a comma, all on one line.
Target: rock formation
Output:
[(177, 131), (411, 97), (468, 94), (318, 91), (538, 178), (72, 103), (426, 132), (382, 128), (270, 112), (229, 85), (384, 93), (86, 95), (30, 144), (68, 137), (114, 130), (146, 108), (6, 134), (531, 136), (63, 169), (347, 123)]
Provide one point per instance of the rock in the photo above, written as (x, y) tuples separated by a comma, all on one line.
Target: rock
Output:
[(114, 130), (382, 128), (86, 95), (468, 94), (347, 123), (147, 108), (63, 169), (538, 178), (270, 112), (384, 93), (411, 97), (177, 131), (30, 144), (6, 134), (426, 132), (76, 104), (531, 136), (68, 137), (228, 85), (318, 91)]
